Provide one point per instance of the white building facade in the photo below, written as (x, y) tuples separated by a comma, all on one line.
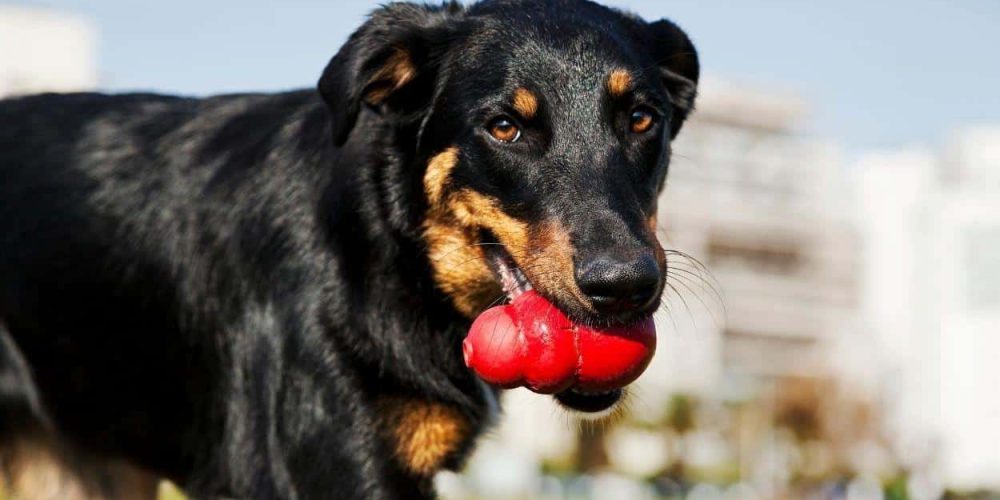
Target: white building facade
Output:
[(45, 50), (932, 233)]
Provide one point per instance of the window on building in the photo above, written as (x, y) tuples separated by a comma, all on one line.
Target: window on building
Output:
[(771, 257), (762, 353)]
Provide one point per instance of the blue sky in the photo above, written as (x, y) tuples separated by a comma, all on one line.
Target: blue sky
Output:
[(878, 73)]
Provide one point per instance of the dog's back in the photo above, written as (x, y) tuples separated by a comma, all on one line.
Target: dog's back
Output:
[(44, 225), (116, 212)]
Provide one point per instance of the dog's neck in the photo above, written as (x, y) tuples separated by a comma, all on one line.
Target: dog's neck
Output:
[(382, 206)]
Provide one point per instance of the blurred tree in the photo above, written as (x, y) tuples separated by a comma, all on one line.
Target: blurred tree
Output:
[(680, 413), (680, 420)]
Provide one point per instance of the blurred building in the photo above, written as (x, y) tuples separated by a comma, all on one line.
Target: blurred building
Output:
[(932, 240), (769, 214), (45, 50)]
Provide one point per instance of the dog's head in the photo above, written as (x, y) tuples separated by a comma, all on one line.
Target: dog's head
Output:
[(540, 138)]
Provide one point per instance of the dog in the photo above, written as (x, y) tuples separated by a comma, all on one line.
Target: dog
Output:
[(265, 295)]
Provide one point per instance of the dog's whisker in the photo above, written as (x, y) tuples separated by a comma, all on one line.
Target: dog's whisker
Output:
[(690, 258), (684, 281), (700, 279), (697, 297), (687, 307), (669, 314)]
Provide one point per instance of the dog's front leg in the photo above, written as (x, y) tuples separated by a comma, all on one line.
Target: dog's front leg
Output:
[(296, 421)]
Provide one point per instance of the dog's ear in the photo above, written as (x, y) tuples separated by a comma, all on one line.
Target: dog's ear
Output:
[(678, 62), (389, 64)]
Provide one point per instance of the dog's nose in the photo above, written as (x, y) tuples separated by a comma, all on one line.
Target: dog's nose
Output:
[(617, 285)]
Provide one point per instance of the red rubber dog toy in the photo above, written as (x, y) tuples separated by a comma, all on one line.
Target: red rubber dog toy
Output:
[(531, 343)]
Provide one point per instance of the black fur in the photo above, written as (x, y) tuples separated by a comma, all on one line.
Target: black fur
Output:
[(219, 289)]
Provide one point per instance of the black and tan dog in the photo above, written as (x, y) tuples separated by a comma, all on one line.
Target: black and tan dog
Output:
[(265, 296)]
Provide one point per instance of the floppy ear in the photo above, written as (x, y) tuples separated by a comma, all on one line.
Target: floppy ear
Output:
[(389, 64), (678, 61)]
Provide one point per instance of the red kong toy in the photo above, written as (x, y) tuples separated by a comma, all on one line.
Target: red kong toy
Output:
[(531, 343)]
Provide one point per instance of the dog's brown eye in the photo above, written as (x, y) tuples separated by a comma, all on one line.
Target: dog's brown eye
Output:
[(641, 121), (504, 130)]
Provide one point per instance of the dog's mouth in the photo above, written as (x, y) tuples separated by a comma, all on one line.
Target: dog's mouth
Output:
[(514, 284), (511, 278), (530, 342), (584, 402)]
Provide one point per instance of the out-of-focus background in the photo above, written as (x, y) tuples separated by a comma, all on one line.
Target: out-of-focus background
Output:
[(834, 331)]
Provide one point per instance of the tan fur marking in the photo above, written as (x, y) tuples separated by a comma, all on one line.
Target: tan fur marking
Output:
[(424, 433), (475, 209), (619, 82), (460, 268), (525, 103), (397, 71), (452, 234), (550, 265), (451, 230), (438, 171), (459, 264), (33, 469), (651, 223), (653, 237)]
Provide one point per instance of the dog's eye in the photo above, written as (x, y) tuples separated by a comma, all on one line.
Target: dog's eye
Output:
[(504, 130), (642, 120)]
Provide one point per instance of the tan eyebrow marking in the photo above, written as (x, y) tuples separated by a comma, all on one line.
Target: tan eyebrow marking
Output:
[(525, 103), (397, 71), (619, 82)]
